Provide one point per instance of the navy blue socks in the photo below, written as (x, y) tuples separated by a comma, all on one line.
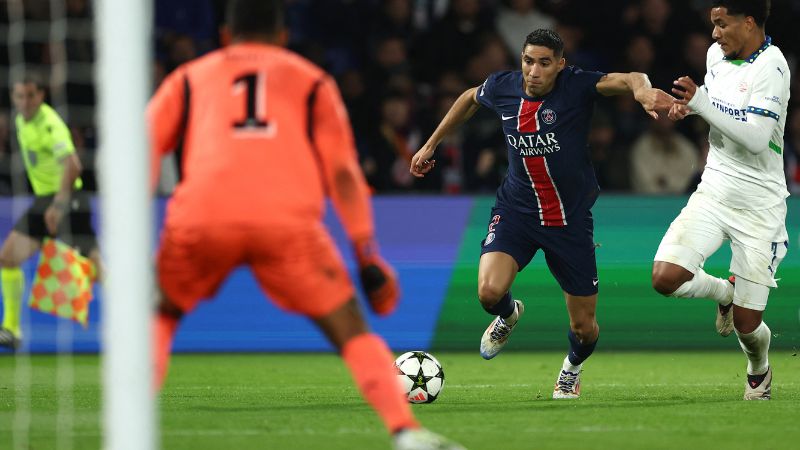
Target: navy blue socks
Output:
[(503, 308), (578, 352)]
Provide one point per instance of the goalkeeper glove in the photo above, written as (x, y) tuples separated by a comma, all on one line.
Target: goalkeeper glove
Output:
[(378, 278)]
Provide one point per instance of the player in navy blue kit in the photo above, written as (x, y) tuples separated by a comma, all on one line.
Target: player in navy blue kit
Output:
[(545, 201)]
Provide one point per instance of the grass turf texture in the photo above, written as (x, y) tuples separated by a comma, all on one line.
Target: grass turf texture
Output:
[(662, 400)]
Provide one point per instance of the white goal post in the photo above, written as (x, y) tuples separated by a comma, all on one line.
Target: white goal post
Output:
[(123, 80)]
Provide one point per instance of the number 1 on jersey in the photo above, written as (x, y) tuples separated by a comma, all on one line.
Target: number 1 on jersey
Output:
[(254, 86)]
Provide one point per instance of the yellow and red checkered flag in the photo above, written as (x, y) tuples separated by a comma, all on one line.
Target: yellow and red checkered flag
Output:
[(63, 282)]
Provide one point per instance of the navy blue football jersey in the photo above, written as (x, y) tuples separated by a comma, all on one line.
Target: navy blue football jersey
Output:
[(550, 174)]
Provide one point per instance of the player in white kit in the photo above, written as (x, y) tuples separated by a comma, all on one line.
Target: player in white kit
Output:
[(742, 195)]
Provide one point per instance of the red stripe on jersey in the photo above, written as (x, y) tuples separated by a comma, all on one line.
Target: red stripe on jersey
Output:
[(551, 210), (528, 116)]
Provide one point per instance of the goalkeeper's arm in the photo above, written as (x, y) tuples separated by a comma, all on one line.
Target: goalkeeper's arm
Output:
[(332, 136), (165, 114)]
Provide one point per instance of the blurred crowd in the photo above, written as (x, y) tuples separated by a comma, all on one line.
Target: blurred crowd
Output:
[(400, 65)]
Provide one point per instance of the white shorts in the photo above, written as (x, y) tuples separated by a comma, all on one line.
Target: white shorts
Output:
[(758, 238)]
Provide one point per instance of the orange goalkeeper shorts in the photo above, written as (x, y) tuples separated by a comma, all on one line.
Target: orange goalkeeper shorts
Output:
[(299, 268)]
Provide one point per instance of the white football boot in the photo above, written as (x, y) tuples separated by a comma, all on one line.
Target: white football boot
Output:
[(568, 385), (762, 391), (496, 336), (422, 439)]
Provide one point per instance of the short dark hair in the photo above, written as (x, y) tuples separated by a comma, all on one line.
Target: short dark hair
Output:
[(34, 78), (260, 17), (757, 9), (546, 38)]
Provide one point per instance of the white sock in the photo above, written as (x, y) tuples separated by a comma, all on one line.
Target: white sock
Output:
[(756, 346), (703, 285), (569, 367), (512, 319)]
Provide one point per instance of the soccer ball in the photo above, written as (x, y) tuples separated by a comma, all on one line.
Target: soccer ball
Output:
[(420, 375)]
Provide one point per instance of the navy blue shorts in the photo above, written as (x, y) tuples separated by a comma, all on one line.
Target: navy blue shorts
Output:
[(569, 250), (75, 229)]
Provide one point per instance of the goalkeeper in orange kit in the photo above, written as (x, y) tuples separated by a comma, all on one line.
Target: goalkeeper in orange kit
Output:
[(263, 138)]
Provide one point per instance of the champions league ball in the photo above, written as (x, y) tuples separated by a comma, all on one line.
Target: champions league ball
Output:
[(420, 375)]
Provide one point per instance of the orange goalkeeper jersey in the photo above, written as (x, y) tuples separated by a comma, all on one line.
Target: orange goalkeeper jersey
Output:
[(262, 135)]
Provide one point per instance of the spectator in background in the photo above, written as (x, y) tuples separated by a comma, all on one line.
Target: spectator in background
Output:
[(340, 29), (390, 69), (577, 54), (299, 20), (483, 150), (195, 19), (694, 54), (517, 18), (492, 56), (451, 149), (694, 63), (662, 160), (610, 160), (354, 93), (639, 56), (655, 20), (394, 18), (452, 40), (391, 146), (180, 49)]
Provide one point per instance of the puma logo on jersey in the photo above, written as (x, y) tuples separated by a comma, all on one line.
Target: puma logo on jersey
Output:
[(780, 71)]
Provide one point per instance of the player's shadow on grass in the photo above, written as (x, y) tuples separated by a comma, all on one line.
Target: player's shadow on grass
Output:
[(628, 404), (305, 407), (526, 404)]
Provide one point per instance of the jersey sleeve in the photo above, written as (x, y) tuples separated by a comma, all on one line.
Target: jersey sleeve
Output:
[(753, 135), (332, 137), (165, 113), (770, 90), (61, 138), (486, 91), (584, 83)]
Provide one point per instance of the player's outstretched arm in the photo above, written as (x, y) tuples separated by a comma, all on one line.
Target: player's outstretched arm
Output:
[(754, 134), (333, 138), (652, 100), (463, 108)]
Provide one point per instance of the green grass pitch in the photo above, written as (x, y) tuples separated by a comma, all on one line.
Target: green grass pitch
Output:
[(631, 400)]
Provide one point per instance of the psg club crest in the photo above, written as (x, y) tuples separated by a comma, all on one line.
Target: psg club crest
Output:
[(489, 239), (549, 116)]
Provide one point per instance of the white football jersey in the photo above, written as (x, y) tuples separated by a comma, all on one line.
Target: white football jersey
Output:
[(757, 85)]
